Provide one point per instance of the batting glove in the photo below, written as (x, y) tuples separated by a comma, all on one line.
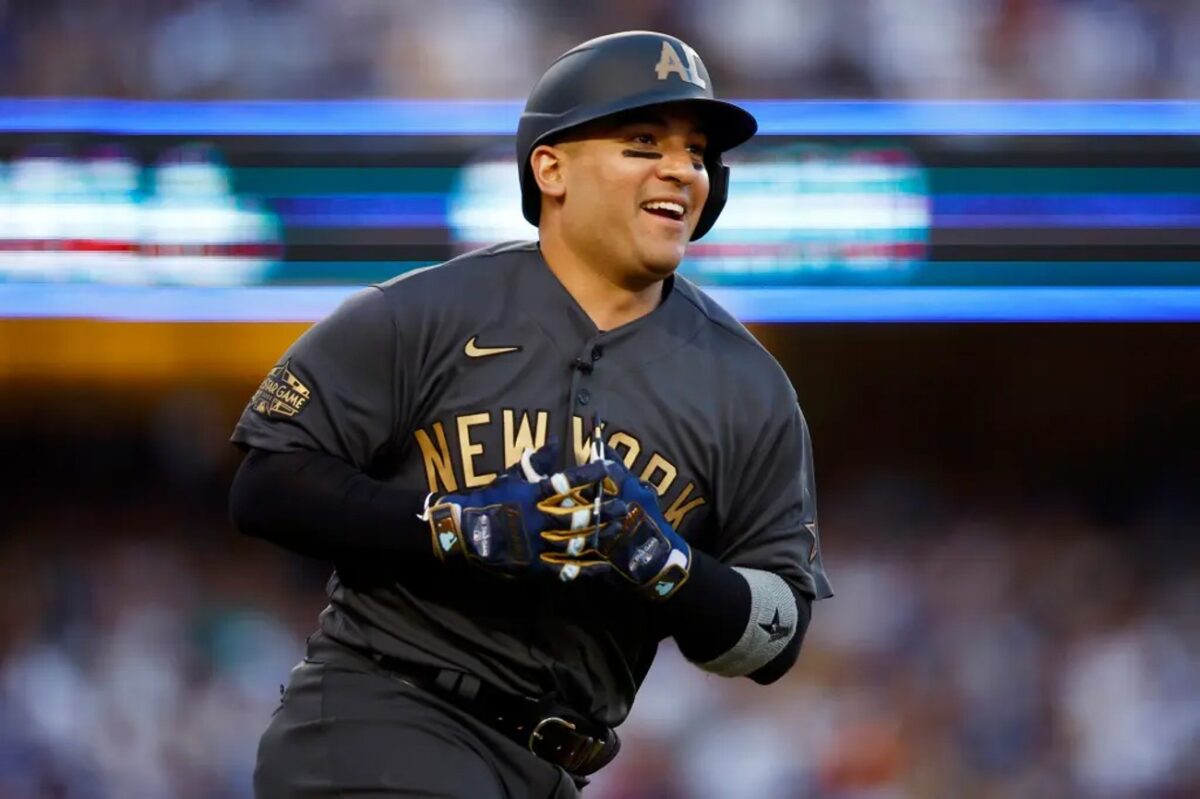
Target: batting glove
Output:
[(497, 528), (627, 534)]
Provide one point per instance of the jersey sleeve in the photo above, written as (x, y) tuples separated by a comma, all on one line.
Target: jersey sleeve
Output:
[(769, 521), (335, 389)]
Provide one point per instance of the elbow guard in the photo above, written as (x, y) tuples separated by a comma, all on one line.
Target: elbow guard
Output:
[(773, 623)]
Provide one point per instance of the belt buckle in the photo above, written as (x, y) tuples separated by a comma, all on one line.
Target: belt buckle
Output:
[(575, 751), (565, 752), (537, 734)]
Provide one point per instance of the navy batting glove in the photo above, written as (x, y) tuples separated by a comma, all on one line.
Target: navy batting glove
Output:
[(627, 534), (497, 528)]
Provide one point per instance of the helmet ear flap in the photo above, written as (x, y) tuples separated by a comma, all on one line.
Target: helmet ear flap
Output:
[(718, 193)]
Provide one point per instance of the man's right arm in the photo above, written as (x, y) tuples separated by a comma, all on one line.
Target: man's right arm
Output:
[(323, 416), (319, 505), (311, 431)]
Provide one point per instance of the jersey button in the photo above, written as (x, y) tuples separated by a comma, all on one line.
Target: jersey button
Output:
[(584, 396), (597, 353)]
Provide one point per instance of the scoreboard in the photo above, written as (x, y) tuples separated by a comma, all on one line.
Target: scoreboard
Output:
[(837, 212)]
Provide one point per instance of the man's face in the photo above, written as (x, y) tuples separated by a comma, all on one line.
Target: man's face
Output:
[(634, 189)]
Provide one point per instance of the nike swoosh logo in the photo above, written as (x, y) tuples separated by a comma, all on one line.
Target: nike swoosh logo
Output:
[(473, 350)]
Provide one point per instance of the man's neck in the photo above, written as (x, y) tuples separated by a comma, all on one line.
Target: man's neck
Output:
[(606, 302)]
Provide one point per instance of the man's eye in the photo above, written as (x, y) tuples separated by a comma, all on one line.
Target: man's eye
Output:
[(643, 138)]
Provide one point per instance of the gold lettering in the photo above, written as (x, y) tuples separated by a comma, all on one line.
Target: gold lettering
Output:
[(678, 509), (437, 459), (291, 397), (517, 437), (470, 450), (669, 471), (295, 383), (583, 444), (632, 446)]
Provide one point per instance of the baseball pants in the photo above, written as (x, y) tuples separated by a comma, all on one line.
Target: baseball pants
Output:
[(349, 730)]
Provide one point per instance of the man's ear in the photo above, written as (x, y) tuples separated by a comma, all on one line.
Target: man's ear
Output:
[(547, 163)]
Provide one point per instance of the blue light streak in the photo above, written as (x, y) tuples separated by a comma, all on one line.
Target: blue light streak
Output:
[(750, 305), (499, 117)]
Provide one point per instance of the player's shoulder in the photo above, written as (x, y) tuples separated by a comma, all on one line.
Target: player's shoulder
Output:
[(722, 326), (477, 269), (735, 346)]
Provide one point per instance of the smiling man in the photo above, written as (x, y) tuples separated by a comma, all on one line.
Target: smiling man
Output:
[(531, 464), (620, 198)]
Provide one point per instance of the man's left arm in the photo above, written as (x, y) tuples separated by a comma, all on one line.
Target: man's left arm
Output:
[(744, 610), (736, 621)]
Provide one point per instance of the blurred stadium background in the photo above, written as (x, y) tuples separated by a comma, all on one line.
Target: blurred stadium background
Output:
[(970, 235)]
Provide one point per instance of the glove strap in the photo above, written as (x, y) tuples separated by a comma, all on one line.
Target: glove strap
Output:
[(675, 568), (671, 578), (447, 538)]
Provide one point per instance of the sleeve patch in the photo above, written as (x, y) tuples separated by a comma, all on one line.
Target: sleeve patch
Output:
[(281, 393)]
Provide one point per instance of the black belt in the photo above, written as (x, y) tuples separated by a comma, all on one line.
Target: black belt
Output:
[(546, 728)]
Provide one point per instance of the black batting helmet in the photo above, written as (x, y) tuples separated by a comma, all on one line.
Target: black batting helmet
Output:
[(621, 72)]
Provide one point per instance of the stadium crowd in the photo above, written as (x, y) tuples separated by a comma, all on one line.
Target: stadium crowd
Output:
[(497, 48)]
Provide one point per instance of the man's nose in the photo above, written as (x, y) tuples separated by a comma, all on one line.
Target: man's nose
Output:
[(679, 166)]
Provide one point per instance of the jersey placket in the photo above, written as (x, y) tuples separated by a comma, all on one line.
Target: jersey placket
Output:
[(584, 396)]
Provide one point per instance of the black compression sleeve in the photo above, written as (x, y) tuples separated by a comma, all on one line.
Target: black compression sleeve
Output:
[(319, 505), (709, 613)]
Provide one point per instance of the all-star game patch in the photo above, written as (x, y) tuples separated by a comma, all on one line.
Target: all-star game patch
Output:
[(280, 394)]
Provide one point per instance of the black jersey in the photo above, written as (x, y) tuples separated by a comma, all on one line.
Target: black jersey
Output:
[(437, 381)]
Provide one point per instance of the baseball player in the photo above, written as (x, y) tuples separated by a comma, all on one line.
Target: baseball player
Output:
[(534, 462)]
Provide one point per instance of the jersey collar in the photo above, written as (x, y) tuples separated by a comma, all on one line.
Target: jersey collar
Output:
[(657, 334)]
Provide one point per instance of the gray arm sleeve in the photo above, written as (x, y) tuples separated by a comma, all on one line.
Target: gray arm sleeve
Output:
[(772, 624)]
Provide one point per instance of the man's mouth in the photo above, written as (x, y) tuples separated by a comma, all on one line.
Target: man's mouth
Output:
[(665, 208)]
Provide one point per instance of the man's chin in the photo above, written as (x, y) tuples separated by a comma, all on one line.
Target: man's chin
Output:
[(663, 263)]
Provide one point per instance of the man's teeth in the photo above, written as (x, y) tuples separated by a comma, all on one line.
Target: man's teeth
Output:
[(675, 209)]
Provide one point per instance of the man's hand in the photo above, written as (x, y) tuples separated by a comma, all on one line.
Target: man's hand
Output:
[(497, 527), (626, 533)]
